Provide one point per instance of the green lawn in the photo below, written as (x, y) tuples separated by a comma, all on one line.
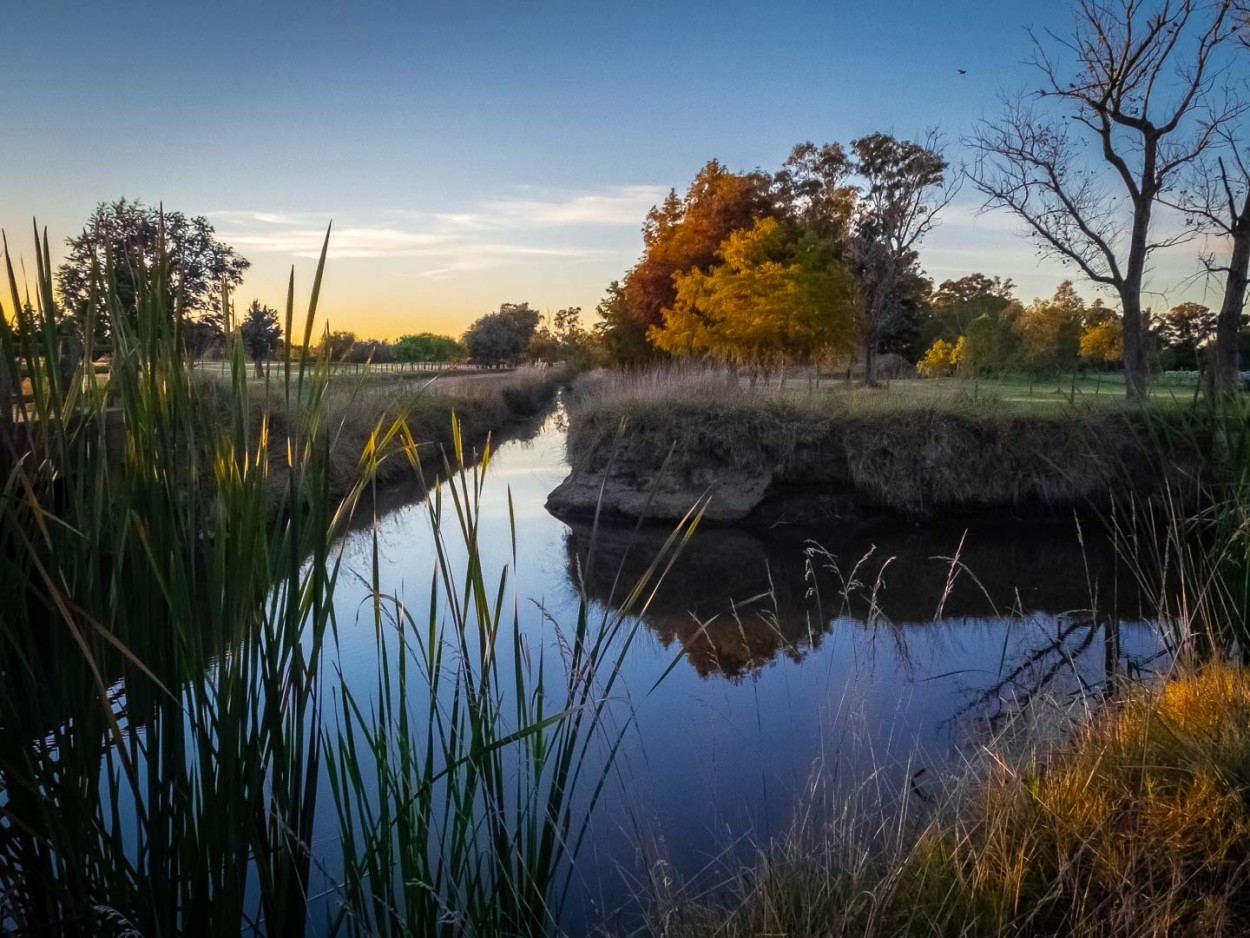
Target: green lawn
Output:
[(1020, 393)]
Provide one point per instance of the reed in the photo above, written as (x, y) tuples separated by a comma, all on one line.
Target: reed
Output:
[(1191, 548), (161, 738), (465, 787), (169, 552)]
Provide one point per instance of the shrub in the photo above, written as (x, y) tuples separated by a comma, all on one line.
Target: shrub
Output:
[(938, 360)]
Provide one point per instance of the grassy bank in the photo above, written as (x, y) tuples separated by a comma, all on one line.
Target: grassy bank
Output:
[(357, 406), (1128, 817), (1137, 824), (917, 447)]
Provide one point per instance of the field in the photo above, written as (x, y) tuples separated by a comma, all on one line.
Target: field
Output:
[(1018, 393), (1025, 393)]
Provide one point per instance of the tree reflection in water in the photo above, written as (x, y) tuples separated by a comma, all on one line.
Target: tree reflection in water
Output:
[(738, 600)]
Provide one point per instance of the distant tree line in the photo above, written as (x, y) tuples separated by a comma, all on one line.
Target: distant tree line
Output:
[(1143, 105), (126, 237), (785, 285), (975, 327)]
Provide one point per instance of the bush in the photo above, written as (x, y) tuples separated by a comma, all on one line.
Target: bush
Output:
[(938, 360)]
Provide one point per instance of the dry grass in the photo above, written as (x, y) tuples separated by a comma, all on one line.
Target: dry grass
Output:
[(356, 406), (1137, 825)]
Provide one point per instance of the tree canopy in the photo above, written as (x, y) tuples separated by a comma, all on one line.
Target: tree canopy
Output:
[(561, 338), (829, 219), (770, 301), (904, 188), (1184, 329), (128, 234), (679, 235), (337, 345), (956, 304), (503, 337), (428, 347), (1102, 341), (1050, 331), (261, 333)]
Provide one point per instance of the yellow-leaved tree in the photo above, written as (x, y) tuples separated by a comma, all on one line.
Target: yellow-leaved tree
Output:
[(937, 361), (1050, 331), (772, 301), (1102, 341)]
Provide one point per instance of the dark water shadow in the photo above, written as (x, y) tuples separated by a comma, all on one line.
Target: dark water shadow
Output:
[(737, 599)]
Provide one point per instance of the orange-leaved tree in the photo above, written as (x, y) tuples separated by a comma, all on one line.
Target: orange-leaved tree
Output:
[(680, 235), (774, 300)]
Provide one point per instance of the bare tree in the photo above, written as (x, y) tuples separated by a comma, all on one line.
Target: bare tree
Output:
[(905, 188), (1140, 97), (1218, 202)]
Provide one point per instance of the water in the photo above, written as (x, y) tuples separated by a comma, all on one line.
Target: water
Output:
[(879, 656)]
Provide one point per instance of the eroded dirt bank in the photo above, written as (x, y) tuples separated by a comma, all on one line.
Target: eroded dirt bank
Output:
[(778, 462)]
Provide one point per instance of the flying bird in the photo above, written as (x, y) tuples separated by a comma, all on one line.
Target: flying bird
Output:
[(962, 71)]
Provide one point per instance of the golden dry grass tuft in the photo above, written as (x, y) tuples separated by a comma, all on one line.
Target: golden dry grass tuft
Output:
[(1135, 826)]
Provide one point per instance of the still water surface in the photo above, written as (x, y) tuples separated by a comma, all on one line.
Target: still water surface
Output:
[(885, 653)]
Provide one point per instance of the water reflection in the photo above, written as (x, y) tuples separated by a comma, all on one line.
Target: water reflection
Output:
[(413, 488), (853, 653), (736, 600)]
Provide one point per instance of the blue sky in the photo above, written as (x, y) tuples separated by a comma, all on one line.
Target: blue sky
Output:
[(471, 154)]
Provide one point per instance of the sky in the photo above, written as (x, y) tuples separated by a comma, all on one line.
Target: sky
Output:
[(470, 154)]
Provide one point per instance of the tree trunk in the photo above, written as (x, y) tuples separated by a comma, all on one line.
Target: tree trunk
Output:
[(260, 371), (10, 399), (1136, 341), (1135, 348), (870, 361), (69, 358), (1228, 325)]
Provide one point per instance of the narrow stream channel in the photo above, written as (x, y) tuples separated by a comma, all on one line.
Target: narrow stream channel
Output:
[(883, 654)]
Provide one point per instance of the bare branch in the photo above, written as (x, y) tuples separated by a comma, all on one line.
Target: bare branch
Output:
[(1138, 96), (1034, 170)]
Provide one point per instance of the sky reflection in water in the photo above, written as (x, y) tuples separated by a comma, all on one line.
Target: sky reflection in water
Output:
[(804, 650)]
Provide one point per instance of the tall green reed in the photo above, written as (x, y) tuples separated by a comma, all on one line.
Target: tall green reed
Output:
[(1189, 547), (465, 786), (170, 587), (169, 552)]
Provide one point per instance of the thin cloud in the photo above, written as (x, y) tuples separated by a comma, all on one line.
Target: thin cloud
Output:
[(347, 241), (620, 205), (615, 206), (491, 234)]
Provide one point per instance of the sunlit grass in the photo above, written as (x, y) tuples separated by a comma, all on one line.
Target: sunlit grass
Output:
[(804, 390), (1138, 824)]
